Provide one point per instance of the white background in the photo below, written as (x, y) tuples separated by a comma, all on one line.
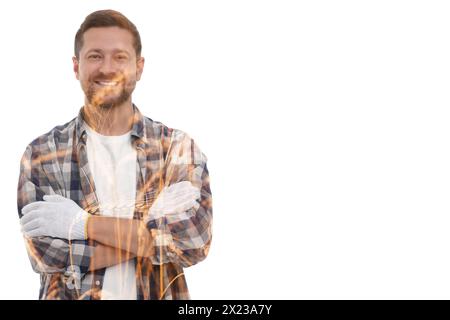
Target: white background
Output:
[(326, 126)]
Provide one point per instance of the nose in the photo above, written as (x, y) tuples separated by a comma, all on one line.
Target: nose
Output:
[(107, 66)]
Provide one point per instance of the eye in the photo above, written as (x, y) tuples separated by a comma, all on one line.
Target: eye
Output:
[(94, 57), (122, 57)]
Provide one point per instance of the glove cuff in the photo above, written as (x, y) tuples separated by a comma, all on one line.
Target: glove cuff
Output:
[(77, 230)]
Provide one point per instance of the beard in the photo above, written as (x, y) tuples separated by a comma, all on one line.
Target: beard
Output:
[(107, 97)]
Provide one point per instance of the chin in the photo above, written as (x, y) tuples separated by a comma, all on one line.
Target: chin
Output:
[(107, 100)]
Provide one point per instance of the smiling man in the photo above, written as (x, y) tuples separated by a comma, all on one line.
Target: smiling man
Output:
[(113, 205)]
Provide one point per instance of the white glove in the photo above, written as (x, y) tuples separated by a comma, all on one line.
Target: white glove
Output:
[(57, 217), (174, 200)]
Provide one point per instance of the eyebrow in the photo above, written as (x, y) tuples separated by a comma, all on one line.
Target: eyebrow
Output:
[(115, 51)]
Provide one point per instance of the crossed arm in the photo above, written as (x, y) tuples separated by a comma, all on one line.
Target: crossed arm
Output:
[(120, 239)]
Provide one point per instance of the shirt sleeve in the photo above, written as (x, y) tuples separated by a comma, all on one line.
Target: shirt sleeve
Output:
[(48, 254), (186, 238)]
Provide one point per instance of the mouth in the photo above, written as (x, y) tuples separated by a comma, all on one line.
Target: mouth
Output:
[(106, 83)]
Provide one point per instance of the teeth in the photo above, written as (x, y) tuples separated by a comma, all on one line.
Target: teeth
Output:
[(107, 83)]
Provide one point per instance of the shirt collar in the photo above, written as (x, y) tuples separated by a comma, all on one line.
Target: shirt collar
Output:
[(137, 130)]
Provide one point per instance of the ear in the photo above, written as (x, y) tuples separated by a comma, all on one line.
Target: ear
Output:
[(139, 67), (76, 66)]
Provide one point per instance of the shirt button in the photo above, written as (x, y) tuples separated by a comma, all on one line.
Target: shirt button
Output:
[(97, 283)]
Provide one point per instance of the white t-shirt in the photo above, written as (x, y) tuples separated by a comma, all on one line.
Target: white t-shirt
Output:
[(112, 161)]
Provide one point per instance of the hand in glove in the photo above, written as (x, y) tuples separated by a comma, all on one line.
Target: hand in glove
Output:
[(56, 216), (174, 200)]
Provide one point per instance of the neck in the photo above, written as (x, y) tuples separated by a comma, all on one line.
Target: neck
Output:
[(109, 121)]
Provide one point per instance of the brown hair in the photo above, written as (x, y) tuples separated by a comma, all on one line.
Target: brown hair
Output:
[(107, 18)]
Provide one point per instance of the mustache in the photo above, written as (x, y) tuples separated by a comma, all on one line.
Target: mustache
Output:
[(118, 77)]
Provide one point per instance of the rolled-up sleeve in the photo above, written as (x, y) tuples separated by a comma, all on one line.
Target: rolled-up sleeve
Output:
[(184, 239)]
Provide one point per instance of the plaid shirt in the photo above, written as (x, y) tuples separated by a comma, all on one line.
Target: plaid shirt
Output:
[(56, 163)]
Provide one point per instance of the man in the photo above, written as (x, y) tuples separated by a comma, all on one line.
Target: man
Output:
[(113, 205)]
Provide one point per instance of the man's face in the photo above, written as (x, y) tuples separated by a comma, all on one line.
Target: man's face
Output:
[(107, 66)]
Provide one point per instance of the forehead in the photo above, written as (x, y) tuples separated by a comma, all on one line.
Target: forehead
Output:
[(107, 39)]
